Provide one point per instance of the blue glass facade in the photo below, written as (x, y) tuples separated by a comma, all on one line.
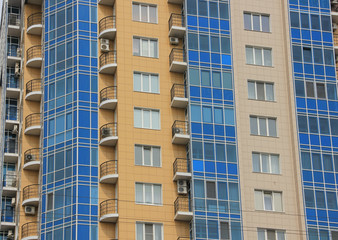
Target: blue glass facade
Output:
[(69, 207), (213, 148), (314, 78)]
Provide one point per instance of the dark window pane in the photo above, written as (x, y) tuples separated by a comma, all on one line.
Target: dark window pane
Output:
[(225, 44), (247, 21), (328, 56), (327, 162), (316, 161), (313, 125), (211, 190), (204, 42), (213, 9), (331, 91), (309, 198), (224, 10), (310, 92), (297, 53), (191, 7), (320, 199), (294, 16), (324, 125), (300, 91), (193, 41), (318, 55), (331, 200), (305, 20), (302, 123), (224, 230), (334, 126), (321, 90), (203, 7), (307, 54), (306, 160), (315, 23), (326, 23)]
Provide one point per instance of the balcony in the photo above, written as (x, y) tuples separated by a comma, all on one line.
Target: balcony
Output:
[(34, 24), (183, 238), (176, 25), (12, 87), (9, 184), (108, 98), (107, 2), (7, 219), (29, 231), (334, 10), (108, 172), (175, 1), (32, 159), (13, 54), (33, 124), (108, 211), (180, 132), (33, 90), (108, 63), (182, 170), (12, 117), (34, 57), (177, 61), (30, 195), (178, 96), (14, 24), (107, 28), (11, 151), (182, 209), (108, 134)]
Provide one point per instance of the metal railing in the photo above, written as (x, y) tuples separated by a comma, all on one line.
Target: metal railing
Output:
[(176, 20), (14, 19), (12, 114), (181, 165), (178, 90), (29, 229), (32, 120), (33, 19), (107, 23), (108, 93), (177, 55), (182, 204), (31, 155), (183, 238), (108, 130), (9, 179), (33, 85), (107, 58), (109, 167), (8, 215), (108, 207), (180, 127), (34, 52), (30, 191)]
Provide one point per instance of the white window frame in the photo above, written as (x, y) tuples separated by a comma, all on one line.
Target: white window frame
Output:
[(273, 200), (140, 12), (141, 54), (150, 118), (151, 155), (265, 230), (152, 195), (260, 21), (265, 90), (150, 75), (266, 124), (143, 225), (269, 155), (254, 57)]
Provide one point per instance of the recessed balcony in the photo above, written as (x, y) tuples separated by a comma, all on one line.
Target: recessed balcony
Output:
[(30, 195), (107, 2), (178, 96), (34, 57), (108, 134), (108, 63), (181, 169), (9, 184), (12, 87), (8, 219), (108, 172), (34, 24), (177, 61), (33, 124), (175, 1), (107, 28), (12, 117), (334, 10), (13, 55), (32, 159), (11, 150), (108, 98), (108, 211), (14, 24), (176, 25), (183, 209), (180, 132), (29, 231), (33, 90)]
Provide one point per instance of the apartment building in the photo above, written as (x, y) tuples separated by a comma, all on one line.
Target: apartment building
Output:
[(169, 119)]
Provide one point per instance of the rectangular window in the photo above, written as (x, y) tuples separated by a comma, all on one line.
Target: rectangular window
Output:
[(270, 234), (268, 201), (144, 12), (146, 82), (257, 22), (225, 233), (263, 126), (261, 91), (315, 90), (265, 163), (149, 231), (146, 193), (146, 118), (145, 47), (258, 56), (147, 156)]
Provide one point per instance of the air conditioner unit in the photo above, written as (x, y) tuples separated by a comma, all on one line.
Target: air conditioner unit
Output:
[(13, 202), (15, 129), (18, 52), (174, 40), (334, 26), (17, 69), (29, 210), (104, 45), (182, 187), (178, 130), (29, 157), (10, 234), (106, 132)]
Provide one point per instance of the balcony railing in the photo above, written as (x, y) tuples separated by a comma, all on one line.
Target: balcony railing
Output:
[(9, 179), (14, 19), (29, 229), (30, 191), (107, 168), (178, 90), (108, 130), (34, 52), (107, 23), (32, 155), (32, 120), (177, 55), (176, 20), (181, 165), (33, 86), (108, 207), (108, 93), (180, 127), (182, 204), (8, 215), (107, 58), (34, 19)]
